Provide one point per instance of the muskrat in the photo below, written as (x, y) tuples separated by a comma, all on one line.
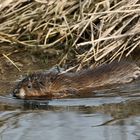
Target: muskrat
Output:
[(50, 85)]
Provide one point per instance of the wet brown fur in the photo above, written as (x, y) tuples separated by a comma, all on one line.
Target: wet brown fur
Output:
[(59, 85)]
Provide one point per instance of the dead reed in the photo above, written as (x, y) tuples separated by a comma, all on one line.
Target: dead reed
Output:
[(83, 31)]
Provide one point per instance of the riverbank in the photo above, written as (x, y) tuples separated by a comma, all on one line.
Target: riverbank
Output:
[(78, 33)]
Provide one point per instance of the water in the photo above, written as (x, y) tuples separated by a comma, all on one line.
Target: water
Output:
[(113, 114)]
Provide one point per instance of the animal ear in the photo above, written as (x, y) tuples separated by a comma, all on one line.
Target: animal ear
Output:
[(41, 82)]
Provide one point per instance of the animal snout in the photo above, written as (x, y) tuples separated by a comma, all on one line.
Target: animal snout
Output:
[(19, 93), (15, 93)]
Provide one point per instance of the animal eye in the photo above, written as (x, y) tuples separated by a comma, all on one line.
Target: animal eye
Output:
[(29, 86)]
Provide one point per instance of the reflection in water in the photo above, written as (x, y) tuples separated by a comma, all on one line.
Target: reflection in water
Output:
[(114, 114), (68, 125)]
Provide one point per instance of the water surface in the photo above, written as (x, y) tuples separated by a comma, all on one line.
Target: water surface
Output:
[(113, 114)]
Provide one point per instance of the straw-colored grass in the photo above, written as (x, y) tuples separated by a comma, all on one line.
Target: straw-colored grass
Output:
[(83, 31)]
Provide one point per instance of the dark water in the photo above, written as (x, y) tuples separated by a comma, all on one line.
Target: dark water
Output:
[(113, 114)]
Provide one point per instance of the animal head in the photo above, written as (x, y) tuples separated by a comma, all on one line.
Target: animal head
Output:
[(34, 86)]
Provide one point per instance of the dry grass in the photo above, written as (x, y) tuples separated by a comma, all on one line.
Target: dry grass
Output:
[(85, 30)]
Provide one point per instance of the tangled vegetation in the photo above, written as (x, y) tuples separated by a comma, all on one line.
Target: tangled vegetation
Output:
[(77, 32)]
